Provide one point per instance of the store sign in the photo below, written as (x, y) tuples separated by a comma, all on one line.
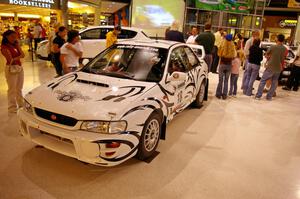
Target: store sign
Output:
[(50, 4), (288, 23)]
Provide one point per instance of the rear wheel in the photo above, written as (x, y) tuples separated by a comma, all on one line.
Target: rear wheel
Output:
[(150, 137), (198, 103)]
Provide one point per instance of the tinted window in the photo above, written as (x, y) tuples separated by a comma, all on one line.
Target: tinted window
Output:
[(127, 34), (179, 61), (191, 56), (91, 34), (132, 62)]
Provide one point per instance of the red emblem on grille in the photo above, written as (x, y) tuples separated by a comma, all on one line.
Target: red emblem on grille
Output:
[(53, 117)]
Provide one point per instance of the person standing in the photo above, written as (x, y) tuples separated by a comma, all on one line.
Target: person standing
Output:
[(226, 53), (174, 34), (255, 57), (207, 40), (14, 74), (58, 42), (71, 52), (218, 41), (192, 38), (112, 36), (277, 55), (51, 38), (235, 69), (249, 42), (37, 34), (294, 78)]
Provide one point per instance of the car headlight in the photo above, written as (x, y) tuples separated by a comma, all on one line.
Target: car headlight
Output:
[(28, 107), (104, 126)]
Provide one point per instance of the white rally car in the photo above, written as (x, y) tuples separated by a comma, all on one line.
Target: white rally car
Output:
[(118, 105)]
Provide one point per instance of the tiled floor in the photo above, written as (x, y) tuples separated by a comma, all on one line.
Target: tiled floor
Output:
[(235, 149)]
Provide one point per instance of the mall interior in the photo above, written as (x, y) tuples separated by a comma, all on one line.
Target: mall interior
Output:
[(104, 135)]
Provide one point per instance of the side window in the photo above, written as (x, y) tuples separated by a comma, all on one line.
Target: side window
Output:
[(104, 31), (127, 34), (193, 60), (179, 61), (91, 34)]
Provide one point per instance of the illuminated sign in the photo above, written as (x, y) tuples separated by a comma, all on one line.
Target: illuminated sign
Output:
[(294, 4), (50, 4), (288, 23)]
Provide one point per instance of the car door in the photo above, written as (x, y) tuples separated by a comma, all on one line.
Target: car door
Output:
[(178, 63)]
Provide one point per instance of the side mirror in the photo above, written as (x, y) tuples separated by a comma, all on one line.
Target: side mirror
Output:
[(85, 61), (177, 76)]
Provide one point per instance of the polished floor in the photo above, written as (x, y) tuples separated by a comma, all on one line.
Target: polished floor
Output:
[(234, 149)]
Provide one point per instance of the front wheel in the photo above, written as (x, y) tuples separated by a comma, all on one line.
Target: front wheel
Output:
[(198, 103), (150, 137)]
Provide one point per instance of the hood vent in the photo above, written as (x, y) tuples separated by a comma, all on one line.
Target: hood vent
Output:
[(93, 83)]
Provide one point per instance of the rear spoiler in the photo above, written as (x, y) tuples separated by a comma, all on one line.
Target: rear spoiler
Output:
[(198, 49)]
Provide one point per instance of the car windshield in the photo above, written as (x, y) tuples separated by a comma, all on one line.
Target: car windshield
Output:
[(141, 63)]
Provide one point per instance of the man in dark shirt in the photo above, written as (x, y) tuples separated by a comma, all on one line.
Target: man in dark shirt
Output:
[(276, 54), (173, 34), (207, 40), (58, 42)]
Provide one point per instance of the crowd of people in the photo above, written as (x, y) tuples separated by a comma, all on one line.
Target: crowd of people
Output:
[(226, 55)]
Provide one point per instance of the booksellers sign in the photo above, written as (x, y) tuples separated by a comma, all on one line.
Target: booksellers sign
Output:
[(50, 4)]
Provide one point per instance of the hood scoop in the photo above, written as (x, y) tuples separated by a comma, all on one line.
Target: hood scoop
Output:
[(92, 83)]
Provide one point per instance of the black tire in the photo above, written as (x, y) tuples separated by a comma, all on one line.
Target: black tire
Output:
[(198, 103), (147, 150)]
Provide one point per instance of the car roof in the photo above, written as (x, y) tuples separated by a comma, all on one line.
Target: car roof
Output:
[(123, 27), (151, 43)]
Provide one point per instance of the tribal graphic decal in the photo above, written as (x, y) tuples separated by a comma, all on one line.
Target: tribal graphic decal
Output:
[(70, 96), (73, 77), (130, 144), (133, 91)]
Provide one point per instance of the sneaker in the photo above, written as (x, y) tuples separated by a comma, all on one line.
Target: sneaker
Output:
[(224, 97), (286, 88), (219, 97), (257, 98), (295, 89)]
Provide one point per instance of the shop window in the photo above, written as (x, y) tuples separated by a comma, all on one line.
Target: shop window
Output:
[(91, 34)]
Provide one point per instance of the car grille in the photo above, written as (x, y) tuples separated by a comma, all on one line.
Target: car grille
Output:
[(54, 117)]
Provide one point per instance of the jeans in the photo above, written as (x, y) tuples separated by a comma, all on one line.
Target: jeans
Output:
[(208, 60), (224, 73), (57, 64), (268, 74), (245, 74), (14, 92), (294, 78), (233, 84), (215, 61), (252, 72)]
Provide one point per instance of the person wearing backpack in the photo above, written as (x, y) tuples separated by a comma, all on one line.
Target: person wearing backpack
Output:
[(226, 53)]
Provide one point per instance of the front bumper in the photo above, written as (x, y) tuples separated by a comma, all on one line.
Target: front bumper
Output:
[(84, 146)]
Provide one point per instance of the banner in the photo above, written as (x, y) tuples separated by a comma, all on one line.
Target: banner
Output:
[(225, 5), (50, 4)]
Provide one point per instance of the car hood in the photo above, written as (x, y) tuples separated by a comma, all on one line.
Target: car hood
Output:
[(87, 96)]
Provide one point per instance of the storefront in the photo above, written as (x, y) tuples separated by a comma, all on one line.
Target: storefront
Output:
[(22, 14), (274, 25)]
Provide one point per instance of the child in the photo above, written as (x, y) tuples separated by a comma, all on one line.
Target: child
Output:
[(236, 63)]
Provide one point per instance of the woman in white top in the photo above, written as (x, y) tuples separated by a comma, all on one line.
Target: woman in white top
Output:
[(71, 52)]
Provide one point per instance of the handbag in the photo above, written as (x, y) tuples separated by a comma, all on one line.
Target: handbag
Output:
[(15, 69)]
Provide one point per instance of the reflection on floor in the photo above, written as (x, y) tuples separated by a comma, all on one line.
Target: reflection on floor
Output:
[(235, 149)]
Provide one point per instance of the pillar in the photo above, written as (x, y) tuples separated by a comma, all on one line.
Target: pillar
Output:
[(97, 20), (64, 12)]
